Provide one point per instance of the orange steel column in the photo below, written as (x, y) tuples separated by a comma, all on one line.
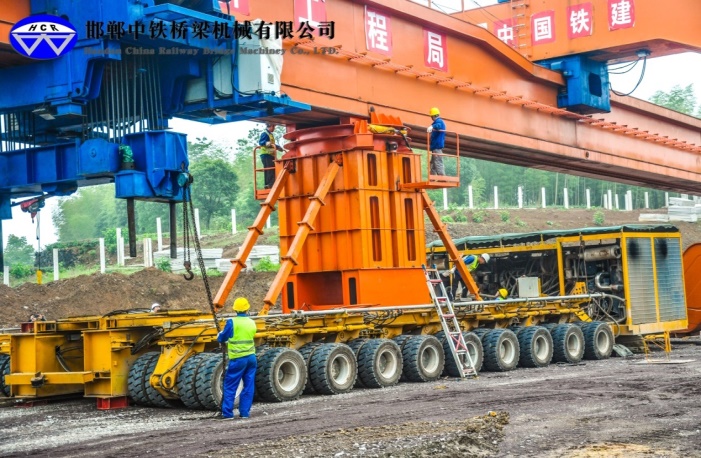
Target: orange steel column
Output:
[(305, 226), (238, 263), (449, 245)]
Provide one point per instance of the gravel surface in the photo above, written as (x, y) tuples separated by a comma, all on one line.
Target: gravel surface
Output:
[(618, 407)]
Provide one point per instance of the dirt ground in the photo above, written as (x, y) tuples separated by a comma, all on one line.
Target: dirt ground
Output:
[(613, 408)]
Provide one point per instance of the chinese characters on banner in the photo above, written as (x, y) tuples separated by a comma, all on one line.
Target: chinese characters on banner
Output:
[(621, 14), (580, 18), (504, 30), (235, 6), (312, 12), (435, 50), (543, 27), (378, 32)]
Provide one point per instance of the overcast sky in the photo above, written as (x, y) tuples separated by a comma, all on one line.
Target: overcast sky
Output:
[(661, 74)]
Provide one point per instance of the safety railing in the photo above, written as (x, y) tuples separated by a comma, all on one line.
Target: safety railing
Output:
[(443, 180), (262, 190)]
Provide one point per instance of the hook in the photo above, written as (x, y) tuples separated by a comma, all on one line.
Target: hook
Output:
[(190, 274)]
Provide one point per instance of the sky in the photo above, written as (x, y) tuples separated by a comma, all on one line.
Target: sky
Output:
[(661, 73)]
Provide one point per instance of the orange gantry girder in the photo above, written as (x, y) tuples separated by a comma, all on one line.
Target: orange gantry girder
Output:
[(503, 106), (606, 30)]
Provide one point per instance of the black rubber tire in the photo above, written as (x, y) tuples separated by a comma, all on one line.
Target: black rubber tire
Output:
[(139, 381), (355, 345), (549, 326), (474, 347), (333, 369), (501, 350), (568, 344), (187, 389), (516, 328), (481, 332), (281, 375), (307, 351), (598, 340), (536, 346), (209, 381), (380, 363), (4, 370), (423, 359), (401, 339)]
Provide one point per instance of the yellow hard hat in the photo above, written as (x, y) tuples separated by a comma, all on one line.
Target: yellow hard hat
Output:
[(503, 293), (241, 305), (434, 112)]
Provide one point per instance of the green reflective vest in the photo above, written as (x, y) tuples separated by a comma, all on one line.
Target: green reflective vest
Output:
[(241, 344), (473, 265), (269, 149)]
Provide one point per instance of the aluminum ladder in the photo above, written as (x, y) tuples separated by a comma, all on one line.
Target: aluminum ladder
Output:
[(450, 324)]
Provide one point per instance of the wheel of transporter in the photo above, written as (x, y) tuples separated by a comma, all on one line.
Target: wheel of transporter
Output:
[(549, 326), (4, 370), (423, 359), (139, 381), (501, 350), (187, 389), (281, 375), (380, 363), (209, 381), (535, 346), (355, 345), (333, 369), (474, 349), (481, 332), (307, 351), (598, 340), (568, 344)]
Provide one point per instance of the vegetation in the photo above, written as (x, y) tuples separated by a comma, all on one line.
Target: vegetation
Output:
[(266, 265), (599, 218), (478, 216), (164, 264), (504, 215)]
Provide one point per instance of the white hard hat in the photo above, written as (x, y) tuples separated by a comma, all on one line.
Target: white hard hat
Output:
[(154, 305), (485, 256)]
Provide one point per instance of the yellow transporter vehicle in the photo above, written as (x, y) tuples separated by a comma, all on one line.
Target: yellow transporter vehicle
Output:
[(637, 267), (356, 303)]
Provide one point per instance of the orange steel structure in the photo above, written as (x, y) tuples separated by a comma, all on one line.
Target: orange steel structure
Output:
[(352, 232), (660, 28), (501, 103), (692, 287)]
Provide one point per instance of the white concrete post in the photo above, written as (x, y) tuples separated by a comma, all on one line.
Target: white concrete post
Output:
[(647, 200), (120, 252), (6, 275), (606, 203), (617, 202), (55, 264), (469, 197), (630, 200), (445, 198), (102, 255), (588, 193), (566, 198), (147, 253), (197, 222), (542, 197), (610, 200), (496, 198), (267, 223), (159, 234), (233, 221), (666, 199), (520, 197)]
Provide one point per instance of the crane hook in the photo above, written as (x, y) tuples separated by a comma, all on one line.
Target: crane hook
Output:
[(190, 274)]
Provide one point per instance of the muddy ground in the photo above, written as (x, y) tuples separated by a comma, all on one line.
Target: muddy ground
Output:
[(619, 407), (613, 408)]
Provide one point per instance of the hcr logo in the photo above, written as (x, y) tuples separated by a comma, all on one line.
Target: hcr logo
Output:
[(43, 36)]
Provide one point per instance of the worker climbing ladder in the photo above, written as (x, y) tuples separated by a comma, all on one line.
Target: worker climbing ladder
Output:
[(451, 327)]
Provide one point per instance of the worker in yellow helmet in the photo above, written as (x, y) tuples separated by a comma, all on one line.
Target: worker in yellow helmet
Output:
[(472, 262), (437, 131), (502, 294), (268, 147), (238, 335)]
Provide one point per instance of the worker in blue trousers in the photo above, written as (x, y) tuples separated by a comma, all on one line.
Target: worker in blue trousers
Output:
[(238, 335)]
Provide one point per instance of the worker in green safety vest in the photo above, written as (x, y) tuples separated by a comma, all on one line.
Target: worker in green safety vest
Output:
[(238, 335), (268, 147), (472, 262)]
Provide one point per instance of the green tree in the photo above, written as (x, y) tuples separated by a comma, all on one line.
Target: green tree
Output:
[(678, 99), (214, 188), (18, 251)]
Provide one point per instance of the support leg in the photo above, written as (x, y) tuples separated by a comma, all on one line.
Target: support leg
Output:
[(173, 231), (131, 222)]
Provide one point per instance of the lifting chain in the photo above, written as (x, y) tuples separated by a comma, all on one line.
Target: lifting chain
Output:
[(190, 231)]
